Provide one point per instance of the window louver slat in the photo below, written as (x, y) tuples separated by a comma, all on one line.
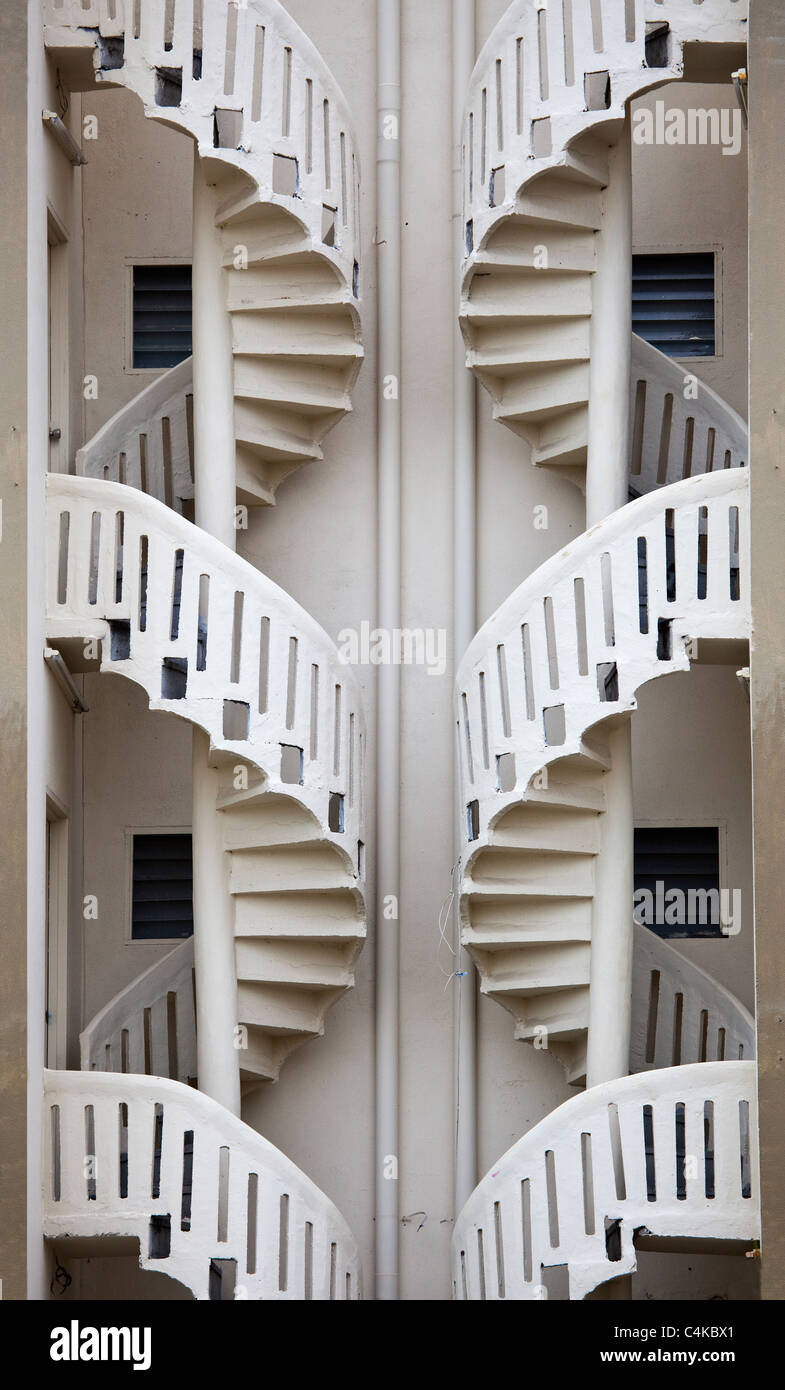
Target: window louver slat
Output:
[(162, 887), (673, 302), (685, 858), (161, 315)]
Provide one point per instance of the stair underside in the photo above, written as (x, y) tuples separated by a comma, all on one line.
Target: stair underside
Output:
[(299, 926), (527, 904)]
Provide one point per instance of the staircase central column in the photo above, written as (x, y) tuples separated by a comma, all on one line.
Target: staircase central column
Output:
[(610, 1002), (217, 1057)]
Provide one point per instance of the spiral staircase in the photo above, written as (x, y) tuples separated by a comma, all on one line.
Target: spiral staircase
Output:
[(274, 138), (555, 670), (134, 588)]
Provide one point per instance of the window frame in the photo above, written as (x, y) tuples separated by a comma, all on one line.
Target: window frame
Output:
[(166, 943), (151, 373), (696, 248), (691, 823)]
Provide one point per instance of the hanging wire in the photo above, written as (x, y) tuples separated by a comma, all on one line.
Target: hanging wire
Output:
[(445, 912)]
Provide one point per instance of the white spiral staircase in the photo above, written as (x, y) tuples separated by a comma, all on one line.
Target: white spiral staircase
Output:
[(546, 101), (640, 1161), (135, 589), (212, 640), (142, 1163), (557, 667), (274, 137)]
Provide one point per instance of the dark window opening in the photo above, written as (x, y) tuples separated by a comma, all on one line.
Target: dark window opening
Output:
[(162, 906), (677, 881), (673, 302), (161, 315)]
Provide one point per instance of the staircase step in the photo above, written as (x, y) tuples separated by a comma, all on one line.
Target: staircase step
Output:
[(266, 431), (303, 913), (566, 796), (552, 916), (313, 964), (564, 1013), (300, 281), (528, 296), (290, 387), (560, 873), (563, 440), (320, 340), (530, 826), (291, 869), (501, 936), (526, 244), (291, 1010), (585, 163), (516, 345), (542, 970), (550, 200), (541, 393)]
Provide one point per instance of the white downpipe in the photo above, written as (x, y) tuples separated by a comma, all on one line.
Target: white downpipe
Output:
[(388, 740), (610, 996), (464, 601), (217, 1058)]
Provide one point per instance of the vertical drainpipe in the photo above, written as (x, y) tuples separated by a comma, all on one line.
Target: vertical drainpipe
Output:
[(464, 602), (388, 740), (217, 1058), (610, 1001)]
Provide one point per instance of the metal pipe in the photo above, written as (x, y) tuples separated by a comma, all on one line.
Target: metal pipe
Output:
[(388, 740), (217, 1057), (63, 136), (464, 602), (57, 665)]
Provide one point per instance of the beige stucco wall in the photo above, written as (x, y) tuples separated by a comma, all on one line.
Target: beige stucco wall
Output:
[(137, 209), (694, 198), (319, 543)]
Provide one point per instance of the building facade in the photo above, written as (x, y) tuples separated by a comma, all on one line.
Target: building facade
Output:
[(382, 553)]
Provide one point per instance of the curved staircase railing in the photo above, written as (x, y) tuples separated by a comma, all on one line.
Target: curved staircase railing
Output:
[(680, 1013), (148, 1028), (275, 141), (211, 1203), (210, 639), (248, 85), (673, 435), (547, 99), (569, 647), (215, 642), (149, 443), (669, 1154)]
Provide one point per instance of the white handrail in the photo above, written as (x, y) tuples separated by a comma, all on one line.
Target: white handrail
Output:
[(148, 444), (668, 1153), (148, 1028), (680, 1013), (210, 639), (673, 436), (543, 79), (249, 86), (150, 1159), (570, 647)]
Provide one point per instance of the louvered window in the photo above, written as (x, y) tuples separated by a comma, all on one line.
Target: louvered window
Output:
[(673, 302), (687, 860), (162, 887), (162, 315)]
